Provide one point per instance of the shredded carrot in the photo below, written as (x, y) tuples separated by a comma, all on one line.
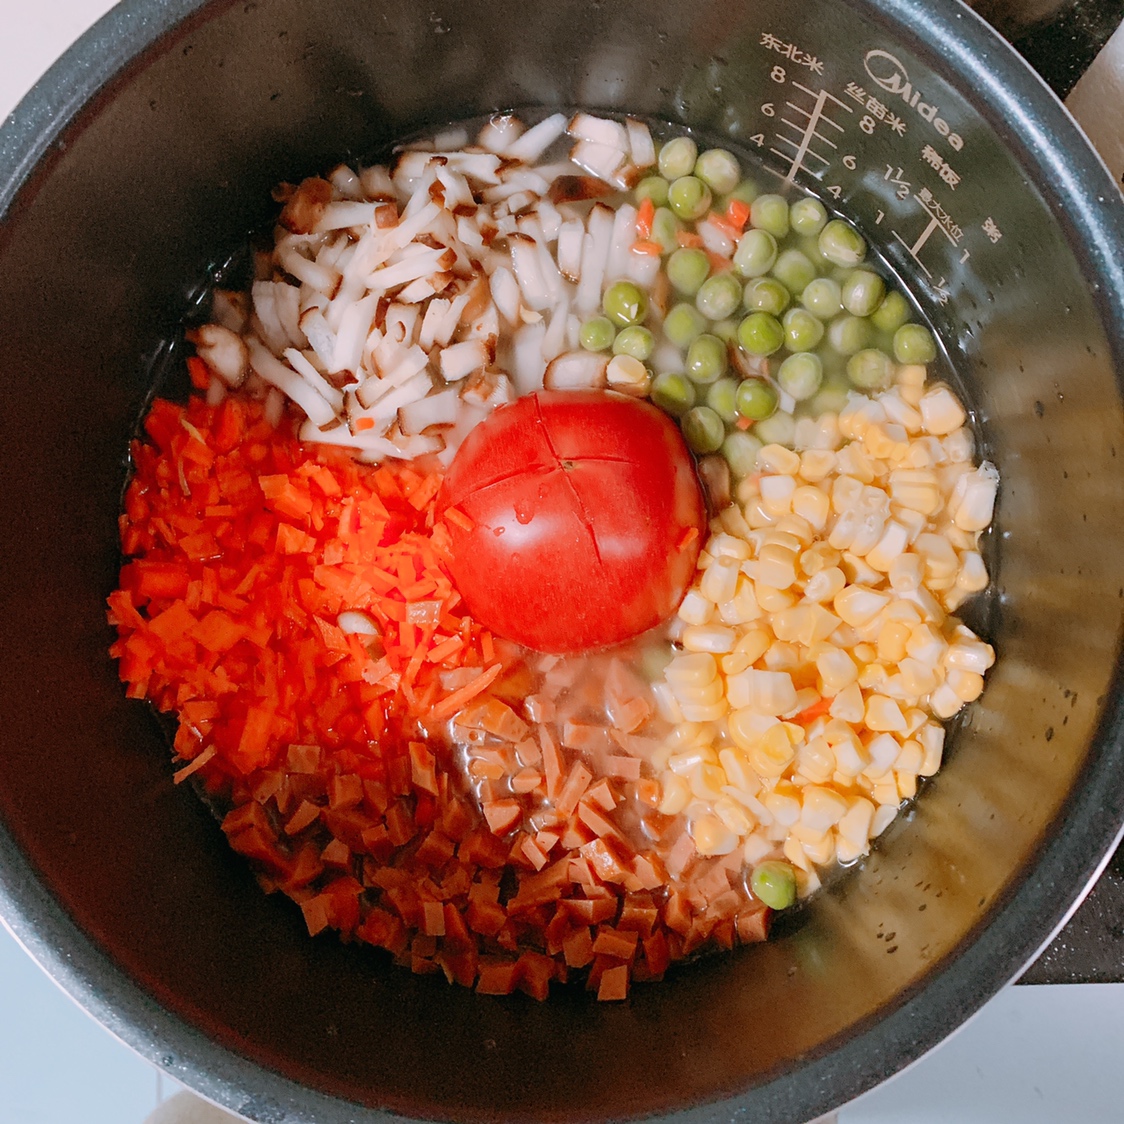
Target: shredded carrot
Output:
[(645, 214), (688, 537), (819, 708), (651, 249), (688, 239)]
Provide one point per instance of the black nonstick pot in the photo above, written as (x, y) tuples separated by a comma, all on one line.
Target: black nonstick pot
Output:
[(144, 158)]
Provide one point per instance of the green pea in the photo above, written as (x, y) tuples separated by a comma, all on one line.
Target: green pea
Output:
[(636, 341), (719, 170), (778, 429), (682, 324), (706, 359), (725, 330), (719, 296), (801, 375), (703, 430), (807, 216), (689, 197), (809, 246), (765, 294), (774, 882), (745, 192), (721, 397), (665, 229), (802, 330), (677, 158), (770, 212), (794, 269), (687, 269), (625, 303), (842, 244), (892, 313), (654, 188), (848, 334), (740, 449), (823, 298), (756, 400), (863, 292), (756, 253), (674, 393), (597, 334), (761, 334), (870, 369), (914, 343), (832, 396)]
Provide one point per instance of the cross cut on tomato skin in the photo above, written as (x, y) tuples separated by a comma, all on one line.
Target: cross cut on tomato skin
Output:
[(578, 521)]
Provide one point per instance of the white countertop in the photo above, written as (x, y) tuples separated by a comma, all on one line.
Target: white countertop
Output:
[(1034, 1055)]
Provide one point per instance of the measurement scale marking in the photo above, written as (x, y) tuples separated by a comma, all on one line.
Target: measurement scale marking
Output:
[(804, 113), (821, 94), (789, 156), (809, 132), (800, 131)]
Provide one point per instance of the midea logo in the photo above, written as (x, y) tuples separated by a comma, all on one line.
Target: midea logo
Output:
[(890, 75)]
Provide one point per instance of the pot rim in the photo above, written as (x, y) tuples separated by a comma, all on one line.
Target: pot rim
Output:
[(1085, 201)]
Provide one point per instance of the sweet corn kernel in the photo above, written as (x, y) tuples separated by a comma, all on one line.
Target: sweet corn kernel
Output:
[(712, 837), (858, 604), (776, 493), (783, 804), (941, 412), (968, 685), (778, 459), (733, 815), (822, 808), (907, 784), (706, 782), (771, 599), (889, 547), (816, 464), (712, 638), (695, 608), (675, 794), (884, 815), (848, 705), (825, 585), (812, 504), (892, 639), (852, 835), (945, 702), (884, 715)]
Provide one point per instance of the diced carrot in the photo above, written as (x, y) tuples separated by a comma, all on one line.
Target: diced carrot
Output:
[(647, 248), (819, 708), (198, 372), (737, 213), (688, 239), (502, 815)]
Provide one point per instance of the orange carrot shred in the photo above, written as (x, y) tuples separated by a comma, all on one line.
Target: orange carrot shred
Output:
[(645, 214), (643, 246)]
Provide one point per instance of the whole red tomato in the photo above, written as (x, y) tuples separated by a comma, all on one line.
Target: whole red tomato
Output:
[(586, 519)]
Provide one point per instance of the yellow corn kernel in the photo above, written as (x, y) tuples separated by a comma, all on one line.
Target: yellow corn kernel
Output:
[(825, 585), (916, 489), (940, 559), (886, 792), (944, 702), (783, 804), (884, 715), (911, 381), (818, 557), (782, 656), (695, 608), (926, 644), (742, 607), (858, 572), (857, 604), (918, 678), (884, 815), (726, 544), (931, 737), (771, 599), (892, 639), (712, 836), (820, 851), (756, 515), (848, 705), (973, 573), (968, 685), (704, 712), (855, 461), (733, 816), (816, 464), (675, 794), (852, 834), (907, 784), (889, 548), (794, 852), (901, 412), (815, 760), (846, 492), (738, 772), (687, 759), (720, 579), (699, 694), (812, 504), (772, 754), (911, 757), (822, 808), (970, 654), (751, 646), (886, 440), (836, 670), (776, 494), (712, 638), (778, 459), (706, 782), (941, 411), (694, 669), (775, 567)]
